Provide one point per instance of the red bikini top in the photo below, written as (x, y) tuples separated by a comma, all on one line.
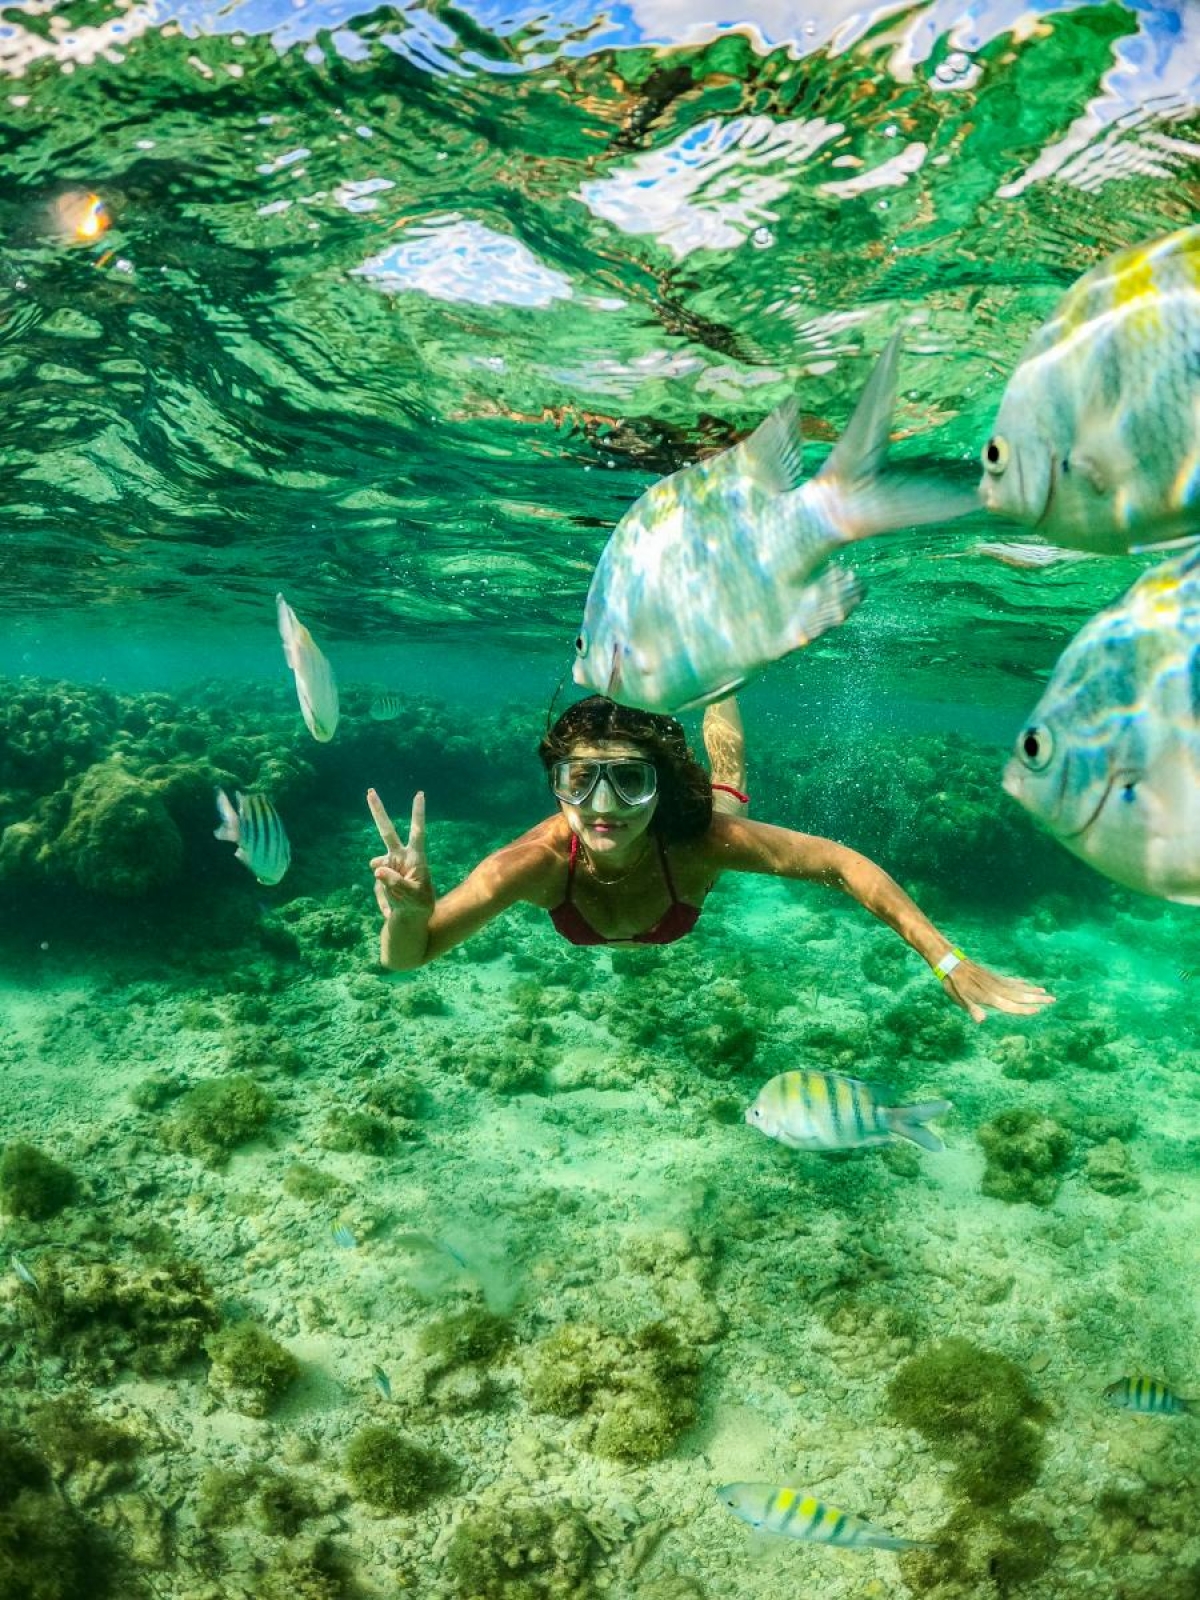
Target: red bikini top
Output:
[(678, 919)]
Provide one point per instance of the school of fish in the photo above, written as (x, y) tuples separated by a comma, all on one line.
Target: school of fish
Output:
[(721, 569)]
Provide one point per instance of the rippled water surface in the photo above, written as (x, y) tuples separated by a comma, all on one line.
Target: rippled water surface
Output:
[(400, 309)]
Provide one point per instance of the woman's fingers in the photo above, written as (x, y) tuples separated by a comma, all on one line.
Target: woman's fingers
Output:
[(416, 827), (387, 828), (974, 988)]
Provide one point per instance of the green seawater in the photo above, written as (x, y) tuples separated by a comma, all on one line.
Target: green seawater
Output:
[(473, 1284)]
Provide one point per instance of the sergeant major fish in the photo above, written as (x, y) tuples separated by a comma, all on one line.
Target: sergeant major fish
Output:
[(796, 1515), (808, 1110), (254, 826), (709, 576), (1110, 760), (316, 687), (1097, 440), (1148, 1396)]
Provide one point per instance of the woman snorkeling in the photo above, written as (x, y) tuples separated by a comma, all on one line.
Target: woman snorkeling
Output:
[(640, 836)]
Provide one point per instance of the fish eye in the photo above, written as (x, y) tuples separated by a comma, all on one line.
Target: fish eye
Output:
[(995, 455), (1129, 793), (581, 643), (1036, 748)]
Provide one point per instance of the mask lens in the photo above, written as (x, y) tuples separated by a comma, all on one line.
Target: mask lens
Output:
[(635, 782), (573, 781)]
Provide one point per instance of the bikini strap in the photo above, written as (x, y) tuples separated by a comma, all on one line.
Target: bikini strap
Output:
[(574, 851), (666, 871), (727, 788)]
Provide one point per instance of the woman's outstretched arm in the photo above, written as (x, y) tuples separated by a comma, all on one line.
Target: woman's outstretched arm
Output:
[(417, 925), (743, 846)]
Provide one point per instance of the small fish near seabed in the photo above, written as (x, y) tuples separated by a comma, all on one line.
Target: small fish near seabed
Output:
[(386, 707), (711, 575), (795, 1514), (808, 1110), (254, 826), (23, 1274), (316, 687), (1097, 441), (1109, 762), (1147, 1396)]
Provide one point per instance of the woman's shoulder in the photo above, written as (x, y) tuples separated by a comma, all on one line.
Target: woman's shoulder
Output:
[(729, 843), (532, 866)]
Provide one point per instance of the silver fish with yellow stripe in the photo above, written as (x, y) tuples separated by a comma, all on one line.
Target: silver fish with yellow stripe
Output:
[(1148, 1396), (255, 827), (1109, 762), (714, 572), (808, 1110), (797, 1515), (1096, 444)]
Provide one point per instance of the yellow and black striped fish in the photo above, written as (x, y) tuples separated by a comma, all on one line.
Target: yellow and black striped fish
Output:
[(797, 1515), (1148, 1396), (386, 707), (808, 1110), (254, 826)]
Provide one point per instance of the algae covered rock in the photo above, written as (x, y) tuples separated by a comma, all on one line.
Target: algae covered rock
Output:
[(216, 1116), (101, 1318), (120, 839), (638, 1393), (33, 1185), (48, 1550), (250, 1368), (975, 1407), (392, 1472), (1109, 1169), (1026, 1154), (519, 1550), (979, 1556)]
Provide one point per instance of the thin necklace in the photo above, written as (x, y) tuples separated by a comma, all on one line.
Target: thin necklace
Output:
[(621, 876)]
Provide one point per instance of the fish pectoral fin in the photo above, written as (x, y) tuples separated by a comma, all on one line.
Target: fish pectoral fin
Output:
[(1103, 471), (773, 455), (711, 695), (822, 605)]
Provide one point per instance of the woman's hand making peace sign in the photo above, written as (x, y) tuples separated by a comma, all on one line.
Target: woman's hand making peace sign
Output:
[(403, 886)]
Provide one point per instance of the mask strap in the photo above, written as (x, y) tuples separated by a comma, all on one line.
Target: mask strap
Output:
[(558, 689)]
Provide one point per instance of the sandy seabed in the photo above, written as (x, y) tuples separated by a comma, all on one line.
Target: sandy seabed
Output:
[(564, 1169)]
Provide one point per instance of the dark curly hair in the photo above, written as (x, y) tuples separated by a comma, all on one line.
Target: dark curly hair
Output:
[(685, 808)]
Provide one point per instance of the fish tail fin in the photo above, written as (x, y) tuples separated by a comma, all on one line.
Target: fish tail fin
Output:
[(893, 1541), (861, 498), (908, 1122), (229, 828), (825, 603)]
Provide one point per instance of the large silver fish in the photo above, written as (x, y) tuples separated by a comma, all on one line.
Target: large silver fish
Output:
[(316, 687), (1097, 441), (710, 575), (794, 1514), (1110, 760)]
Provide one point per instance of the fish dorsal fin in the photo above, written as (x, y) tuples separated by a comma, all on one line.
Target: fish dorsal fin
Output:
[(862, 449), (773, 455)]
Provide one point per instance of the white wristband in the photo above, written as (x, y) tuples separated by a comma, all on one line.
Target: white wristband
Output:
[(947, 964)]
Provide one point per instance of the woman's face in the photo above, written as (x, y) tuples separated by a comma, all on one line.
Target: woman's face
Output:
[(604, 821)]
